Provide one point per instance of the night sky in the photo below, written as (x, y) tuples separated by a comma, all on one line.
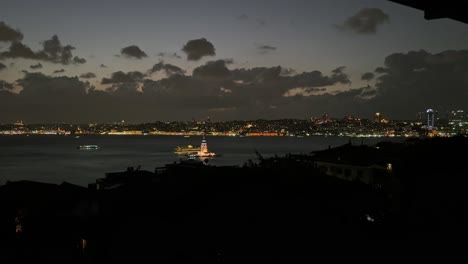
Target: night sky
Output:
[(142, 61)]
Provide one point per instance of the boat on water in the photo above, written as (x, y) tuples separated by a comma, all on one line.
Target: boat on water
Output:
[(186, 150), (88, 147)]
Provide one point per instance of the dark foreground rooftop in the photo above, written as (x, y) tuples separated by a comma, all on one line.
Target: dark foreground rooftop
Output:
[(281, 208)]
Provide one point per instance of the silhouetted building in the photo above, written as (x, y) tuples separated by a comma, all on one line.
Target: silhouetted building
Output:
[(355, 163), (131, 175)]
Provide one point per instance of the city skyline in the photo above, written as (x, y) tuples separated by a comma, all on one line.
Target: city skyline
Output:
[(149, 61), (445, 114)]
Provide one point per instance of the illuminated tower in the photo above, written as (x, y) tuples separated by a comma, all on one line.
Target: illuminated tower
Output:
[(204, 146), (430, 119), (377, 117)]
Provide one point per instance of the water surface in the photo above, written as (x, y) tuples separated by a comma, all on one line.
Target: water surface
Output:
[(54, 159)]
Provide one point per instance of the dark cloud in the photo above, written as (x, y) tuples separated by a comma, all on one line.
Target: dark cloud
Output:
[(229, 61), (124, 89), (173, 55), (402, 63), (51, 99), (261, 21), (243, 17), (213, 89), (368, 76), (88, 75), (133, 52), (103, 66), (5, 85), (257, 74), (78, 60), (121, 77), (269, 84), (53, 51), (59, 71), (339, 70), (368, 92), (264, 49), (42, 86), (380, 70), (7, 33), (198, 48), (366, 21), (418, 80), (212, 70), (19, 50), (36, 66), (168, 69), (2, 66), (56, 99), (287, 71), (238, 93), (317, 79), (409, 83)]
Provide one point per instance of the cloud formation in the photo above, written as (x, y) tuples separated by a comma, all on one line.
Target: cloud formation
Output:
[(264, 49), (78, 60), (2, 66), (368, 92), (380, 70), (103, 66), (133, 52), (88, 75), (5, 85), (287, 71), (52, 51), (366, 21), (212, 70), (121, 77), (44, 86), (168, 69), (409, 83), (19, 50), (213, 90), (418, 80), (261, 21), (198, 48), (303, 91), (7, 33), (172, 55), (59, 71), (36, 66), (368, 76)]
